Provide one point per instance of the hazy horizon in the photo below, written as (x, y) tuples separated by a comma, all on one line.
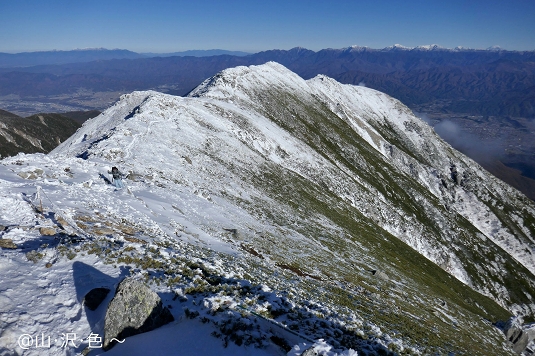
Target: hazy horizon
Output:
[(267, 49), (163, 26)]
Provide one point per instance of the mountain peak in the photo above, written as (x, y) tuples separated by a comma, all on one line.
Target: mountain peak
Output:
[(227, 83), (338, 191), (432, 47), (494, 48), (397, 47)]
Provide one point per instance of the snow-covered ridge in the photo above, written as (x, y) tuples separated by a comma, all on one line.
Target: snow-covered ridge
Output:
[(235, 92), (305, 185)]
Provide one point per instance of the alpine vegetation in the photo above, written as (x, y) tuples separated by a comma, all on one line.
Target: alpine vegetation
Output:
[(271, 215)]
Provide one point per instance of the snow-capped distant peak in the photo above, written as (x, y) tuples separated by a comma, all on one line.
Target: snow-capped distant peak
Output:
[(356, 48), (431, 47), (397, 47), (424, 48)]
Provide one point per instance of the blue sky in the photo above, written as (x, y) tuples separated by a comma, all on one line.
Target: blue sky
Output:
[(168, 26)]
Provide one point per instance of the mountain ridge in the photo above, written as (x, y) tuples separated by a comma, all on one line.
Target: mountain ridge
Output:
[(231, 85), (26, 59), (327, 208), (37, 133), (491, 88)]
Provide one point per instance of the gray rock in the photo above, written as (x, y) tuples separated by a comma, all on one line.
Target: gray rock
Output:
[(310, 352), (520, 344), (379, 274), (513, 329), (519, 335), (2, 228), (95, 296), (134, 309), (135, 177)]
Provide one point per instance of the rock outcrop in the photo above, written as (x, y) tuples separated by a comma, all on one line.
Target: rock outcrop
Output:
[(134, 309), (47, 231), (7, 243), (519, 335)]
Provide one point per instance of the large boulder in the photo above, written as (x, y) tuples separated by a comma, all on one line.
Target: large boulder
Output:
[(134, 309), (519, 335)]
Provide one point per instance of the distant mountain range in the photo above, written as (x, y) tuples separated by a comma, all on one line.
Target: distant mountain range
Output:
[(198, 53), (491, 83), (27, 59), (485, 82)]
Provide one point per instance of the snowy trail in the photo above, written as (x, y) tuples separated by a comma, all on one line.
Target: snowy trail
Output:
[(128, 149)]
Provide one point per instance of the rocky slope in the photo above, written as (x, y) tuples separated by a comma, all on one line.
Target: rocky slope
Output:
[(328, 208), (36, 133)]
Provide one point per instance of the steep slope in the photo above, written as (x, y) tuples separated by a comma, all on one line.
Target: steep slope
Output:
[(81, 116), (36, 133), (328, 208), (395, 170)]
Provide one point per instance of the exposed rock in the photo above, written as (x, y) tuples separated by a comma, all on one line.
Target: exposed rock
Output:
[(134, 309), (310, 352), (34, 256), (513, 328), (95, 296), (135, 240), (2, 228), (520, 336), (454, 174), (379, 274), (7, 243), (103, 231), (128, 230), (530, 332), (134, 177), (37, 173), (47, 231), (234, 232), (61, 221)]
